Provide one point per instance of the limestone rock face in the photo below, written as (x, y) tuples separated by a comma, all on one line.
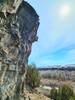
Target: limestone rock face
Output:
[(18, 30)]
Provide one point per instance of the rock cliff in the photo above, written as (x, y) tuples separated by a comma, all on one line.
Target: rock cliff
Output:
[(18, 30)]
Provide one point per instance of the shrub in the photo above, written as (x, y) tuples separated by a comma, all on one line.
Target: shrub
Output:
[(53, 94), (63, 93), (32, 76), (66, 92)]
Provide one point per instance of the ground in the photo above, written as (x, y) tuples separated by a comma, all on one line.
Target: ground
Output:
[(36, 96)]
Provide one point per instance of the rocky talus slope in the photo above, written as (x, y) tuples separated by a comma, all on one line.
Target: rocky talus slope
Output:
[(18, 30)]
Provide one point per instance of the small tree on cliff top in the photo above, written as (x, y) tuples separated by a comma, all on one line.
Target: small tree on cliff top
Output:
[(32, 76)]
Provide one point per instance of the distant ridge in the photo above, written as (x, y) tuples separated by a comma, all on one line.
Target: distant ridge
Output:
[(56, 67)]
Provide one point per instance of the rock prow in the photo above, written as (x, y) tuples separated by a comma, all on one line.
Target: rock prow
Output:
[(29, 8)]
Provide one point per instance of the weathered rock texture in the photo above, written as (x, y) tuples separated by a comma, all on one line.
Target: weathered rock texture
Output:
[(18, 30)]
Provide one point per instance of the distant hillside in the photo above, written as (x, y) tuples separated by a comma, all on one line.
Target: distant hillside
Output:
[(56, 67), (66, 72)]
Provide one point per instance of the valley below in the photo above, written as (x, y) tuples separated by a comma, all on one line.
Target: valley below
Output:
[(55, 78)]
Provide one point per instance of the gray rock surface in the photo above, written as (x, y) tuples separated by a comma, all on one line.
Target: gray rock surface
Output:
[(18, 30)]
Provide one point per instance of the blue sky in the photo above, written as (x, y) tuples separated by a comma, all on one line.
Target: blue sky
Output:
[(56, 44)]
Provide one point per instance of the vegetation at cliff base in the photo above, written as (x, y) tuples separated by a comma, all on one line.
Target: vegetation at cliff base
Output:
[(32, 77)]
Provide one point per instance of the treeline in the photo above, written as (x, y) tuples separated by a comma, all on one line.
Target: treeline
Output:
[(61, 68)]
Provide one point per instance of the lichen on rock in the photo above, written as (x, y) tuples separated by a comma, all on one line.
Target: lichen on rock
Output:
[(18, 30)]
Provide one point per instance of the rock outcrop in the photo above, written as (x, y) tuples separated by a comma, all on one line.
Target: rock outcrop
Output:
[(18, 30)]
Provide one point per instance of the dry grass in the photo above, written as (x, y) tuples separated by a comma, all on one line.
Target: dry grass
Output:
[(58, 83)]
